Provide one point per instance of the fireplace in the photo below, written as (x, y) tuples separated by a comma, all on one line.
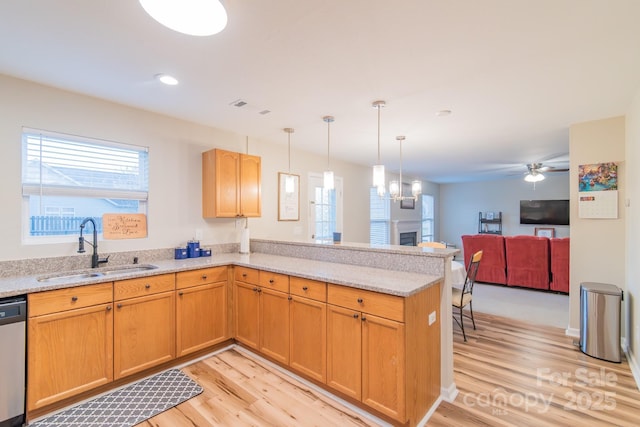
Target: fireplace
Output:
[(409, 239), (401, 229)]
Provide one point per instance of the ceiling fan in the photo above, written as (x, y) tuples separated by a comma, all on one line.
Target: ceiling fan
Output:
[(535, 170)]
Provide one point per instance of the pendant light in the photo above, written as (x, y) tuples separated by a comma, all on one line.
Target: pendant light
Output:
[(328, 174), (289, 181), (395, 187), (378, 168), (192, 17)]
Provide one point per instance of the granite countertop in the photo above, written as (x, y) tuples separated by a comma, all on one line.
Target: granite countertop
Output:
[(379, 280)]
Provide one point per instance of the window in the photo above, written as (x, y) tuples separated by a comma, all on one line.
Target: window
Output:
[(68, 178), (427, 218), (326, 212), (380, 217)]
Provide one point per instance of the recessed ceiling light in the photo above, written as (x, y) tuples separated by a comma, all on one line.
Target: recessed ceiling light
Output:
[(192, 17), (167, 79), (443, 113)]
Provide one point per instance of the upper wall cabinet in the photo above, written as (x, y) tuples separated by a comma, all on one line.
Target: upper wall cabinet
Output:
[(231, 185)]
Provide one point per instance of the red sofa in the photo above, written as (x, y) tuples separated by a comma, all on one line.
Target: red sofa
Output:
[(527, 261), (493, 266), (559, 251)]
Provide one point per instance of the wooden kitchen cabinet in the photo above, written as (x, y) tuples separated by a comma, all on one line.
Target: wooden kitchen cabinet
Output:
[(365, 351), (70, 342), (201, 309), (144, 323), (262, 312), (231, 184), (308, 328)]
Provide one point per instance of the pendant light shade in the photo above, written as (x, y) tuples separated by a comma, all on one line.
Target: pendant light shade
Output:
[(534, 177), (192, 17), (328, 174), (378, 169), (289, 181)]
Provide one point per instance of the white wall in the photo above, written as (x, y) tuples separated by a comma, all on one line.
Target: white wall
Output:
[(460, 204), (597, 245), (632, 294), (175, 148)]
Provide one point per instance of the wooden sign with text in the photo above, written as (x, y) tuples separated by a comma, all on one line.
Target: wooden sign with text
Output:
[(124, 226)]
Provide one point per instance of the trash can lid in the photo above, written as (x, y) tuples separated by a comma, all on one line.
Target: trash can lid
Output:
[(600, 288)]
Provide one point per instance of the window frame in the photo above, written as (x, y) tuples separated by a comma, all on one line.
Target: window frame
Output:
[(40, 189)]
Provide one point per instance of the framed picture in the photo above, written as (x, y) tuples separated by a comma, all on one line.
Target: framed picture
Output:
[(288, 202), (545, 232), (408, 203)]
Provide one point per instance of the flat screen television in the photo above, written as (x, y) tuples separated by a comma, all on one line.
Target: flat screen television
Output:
[(546, 212)]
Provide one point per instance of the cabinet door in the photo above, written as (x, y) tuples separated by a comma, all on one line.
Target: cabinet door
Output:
[(144, 331), (201, 314), (383, 369), (247, 314), (344, 351), (220, 184), (308, 337), (250, 186), (68, 353), (274, 324)]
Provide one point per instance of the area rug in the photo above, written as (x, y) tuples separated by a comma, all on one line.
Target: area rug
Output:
[(130, 405)]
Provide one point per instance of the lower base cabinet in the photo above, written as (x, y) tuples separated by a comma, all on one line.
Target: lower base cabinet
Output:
[(308, 337), (70, 350)]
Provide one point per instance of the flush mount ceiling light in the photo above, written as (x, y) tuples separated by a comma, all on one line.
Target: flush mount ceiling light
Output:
[(192, 17), (328, 174), (395, 187), (167, 79), (378, 169), (289, 181)]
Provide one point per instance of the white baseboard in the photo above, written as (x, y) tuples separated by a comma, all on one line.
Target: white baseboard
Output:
[(450, 393), (572, 332), (635, 368)]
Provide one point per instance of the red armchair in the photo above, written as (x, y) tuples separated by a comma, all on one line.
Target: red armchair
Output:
[(492, 269), (527, 261), (559, 249)]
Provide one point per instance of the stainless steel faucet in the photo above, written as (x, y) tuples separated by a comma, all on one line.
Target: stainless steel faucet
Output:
[(95, 259)]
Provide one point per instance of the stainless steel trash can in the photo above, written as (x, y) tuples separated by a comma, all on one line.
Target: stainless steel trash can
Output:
[(600, 320)]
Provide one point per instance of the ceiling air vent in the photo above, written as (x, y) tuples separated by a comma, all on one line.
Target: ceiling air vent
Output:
[(238, 103), (263, 112)]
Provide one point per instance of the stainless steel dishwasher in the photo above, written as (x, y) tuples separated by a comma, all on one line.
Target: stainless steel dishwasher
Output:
[(13, 317)]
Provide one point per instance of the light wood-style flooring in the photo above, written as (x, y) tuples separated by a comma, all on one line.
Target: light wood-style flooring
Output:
[(509, 373)]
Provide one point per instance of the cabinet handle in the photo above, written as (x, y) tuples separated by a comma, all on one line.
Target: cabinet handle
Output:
[(363, 318), (204, 277), (108, 308), (180, 293), (271, 281), (119, 305), (244, 274), (147, 286), (355, 315), (255, 289), (259, 290), (305, 288), (360, 300), (74, 298), (289, 298)]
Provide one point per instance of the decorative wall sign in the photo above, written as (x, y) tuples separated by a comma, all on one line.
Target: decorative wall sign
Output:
[(288, 203), (597, 191), (124, 226)]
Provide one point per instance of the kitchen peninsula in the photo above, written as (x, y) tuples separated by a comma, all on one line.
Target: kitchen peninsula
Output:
[(398, 295)]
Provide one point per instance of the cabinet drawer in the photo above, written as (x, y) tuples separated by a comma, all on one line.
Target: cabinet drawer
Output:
[(383, 305), (187, 279), (132, 288), (275, 281), (66, 299), (247, 275), (308, 288)]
